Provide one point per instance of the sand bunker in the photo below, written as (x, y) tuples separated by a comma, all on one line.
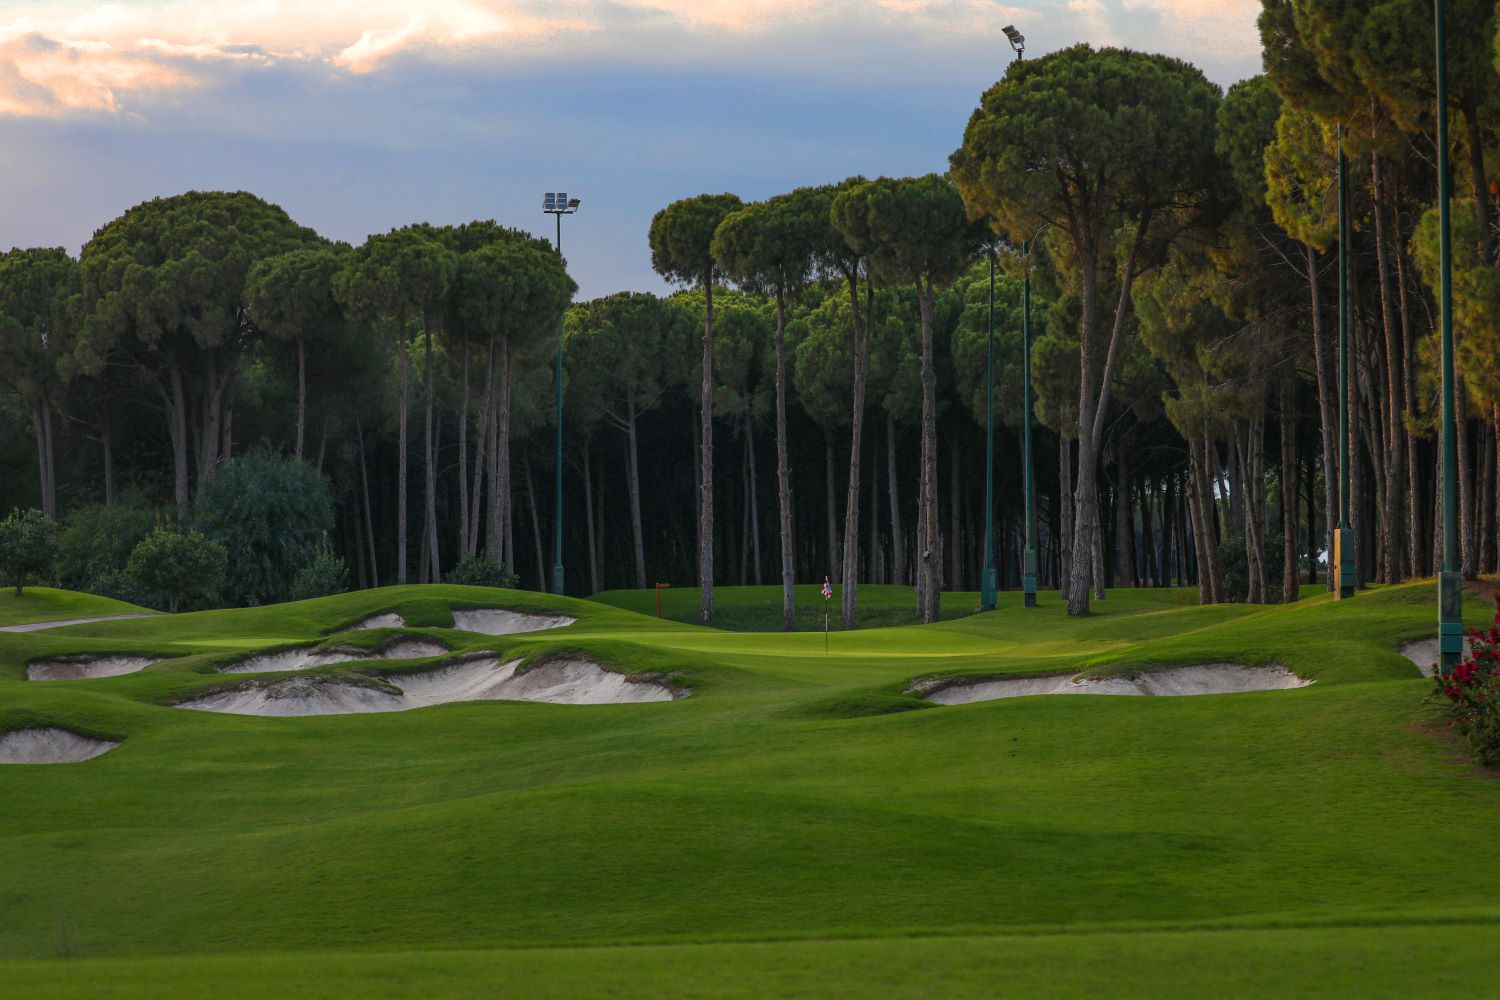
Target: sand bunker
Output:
[(573, 681), (387, 620), (1205, 678), (82, 667), (50, 745), (306, 658), (485, 621), (499, 621), (1424, 653)]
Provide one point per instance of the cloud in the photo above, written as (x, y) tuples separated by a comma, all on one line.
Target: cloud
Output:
[(76, 56)]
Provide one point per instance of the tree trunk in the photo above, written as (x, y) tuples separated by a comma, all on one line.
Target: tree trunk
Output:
[(1327, 404), (500, 468), (1124, 522), (633, 466), (402, 380), (754, 503), (850, 594), (898, 543), (177, 430), (106, 441), (1390, 487), (588, 516), (706, 462), (429, 486), (536, 529), (784, 476), (364, 485), (930, 548), (955, 530), (42, 419), (1288, 413), (301, 393), (481, 438), (1065, 514), (831, 509), (463, 456)]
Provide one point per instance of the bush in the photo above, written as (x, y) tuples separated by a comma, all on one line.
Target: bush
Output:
[(183, 568), (28, 547), (1471, 694), (269, 513), (1236, 563), (97, 540), (323, 575), (117, 583), (479, 571)]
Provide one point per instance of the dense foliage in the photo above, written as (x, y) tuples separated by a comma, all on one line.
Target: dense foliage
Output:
[(186, 568), (28, 548)]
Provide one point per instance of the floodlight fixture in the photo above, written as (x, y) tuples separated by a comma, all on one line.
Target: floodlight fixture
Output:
[(558, 203), (1017, 40)]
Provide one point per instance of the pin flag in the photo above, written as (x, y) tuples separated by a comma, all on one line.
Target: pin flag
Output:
[(827, 590)]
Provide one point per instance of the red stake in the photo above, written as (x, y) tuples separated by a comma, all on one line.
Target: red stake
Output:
[(659, 588)]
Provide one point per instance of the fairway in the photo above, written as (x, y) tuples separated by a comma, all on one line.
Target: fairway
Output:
[(797, 824)]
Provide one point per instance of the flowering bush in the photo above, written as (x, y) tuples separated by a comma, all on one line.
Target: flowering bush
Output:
[(1471, 694)]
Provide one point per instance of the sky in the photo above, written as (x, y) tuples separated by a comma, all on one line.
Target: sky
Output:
[(357, 116)]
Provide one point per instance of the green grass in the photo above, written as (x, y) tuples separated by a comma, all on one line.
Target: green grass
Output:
[(44, 604), (799, 826)]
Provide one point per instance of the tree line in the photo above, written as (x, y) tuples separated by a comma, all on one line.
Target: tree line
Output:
[(811, 401)]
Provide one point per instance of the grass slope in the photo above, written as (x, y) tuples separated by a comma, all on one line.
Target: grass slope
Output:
[(753, 838), (45, 604)]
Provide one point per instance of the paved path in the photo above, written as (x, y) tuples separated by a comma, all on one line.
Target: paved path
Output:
[(38, 626)]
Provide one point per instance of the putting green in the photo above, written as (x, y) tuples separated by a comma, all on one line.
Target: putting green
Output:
[(798, 826)]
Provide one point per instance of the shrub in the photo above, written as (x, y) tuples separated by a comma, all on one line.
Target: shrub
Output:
[(118, 584), (184, 568), (480, 571), (28, 547), (269, 513), (323, 575), (1471, 694), (97, 540)]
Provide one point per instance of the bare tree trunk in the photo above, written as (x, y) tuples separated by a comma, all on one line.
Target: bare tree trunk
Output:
[(106, 441), (500, 468), (429, 490), (1391, 489), (834, 568), (633, 465), (1328, 407), (745, 507), (1413, 547), (364, 485), (301, 393), (402, 362), (874, 563), (481, 438), (706, 463), (1465, 480), (41, 419), (930, 548), (754, 502), (850, 594), (588, 515), (898, 543), (1065, 513), (177, 430), (1288, 413), (784, 476), (1124, 521), (463, 457), (955, 531), (536, 529)]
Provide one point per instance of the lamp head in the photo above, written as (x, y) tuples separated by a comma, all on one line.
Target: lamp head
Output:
[(1016, 39)]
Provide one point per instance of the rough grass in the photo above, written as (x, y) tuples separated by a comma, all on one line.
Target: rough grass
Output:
[(1065, 846)]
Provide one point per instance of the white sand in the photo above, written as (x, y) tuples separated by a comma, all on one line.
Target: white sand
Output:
[(1206, 678), (499, 621), (307, 658), (81, 667), (485, 621), (387, 620), (479, 678), (49, 745), (38, 626), (1424, 653)]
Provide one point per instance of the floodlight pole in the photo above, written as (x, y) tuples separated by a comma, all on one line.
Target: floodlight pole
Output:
[(1450, 580), (559, 206), (987, 600), (1343, 538)]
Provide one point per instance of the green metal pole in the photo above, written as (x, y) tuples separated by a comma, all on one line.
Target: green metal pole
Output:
[(557, 560), (1028, 473), (1450, 580), (987, 600), (1343, 537)]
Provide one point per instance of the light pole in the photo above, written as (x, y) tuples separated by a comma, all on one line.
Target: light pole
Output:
[(1450, 580), (1343, 537), (558, 204)]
